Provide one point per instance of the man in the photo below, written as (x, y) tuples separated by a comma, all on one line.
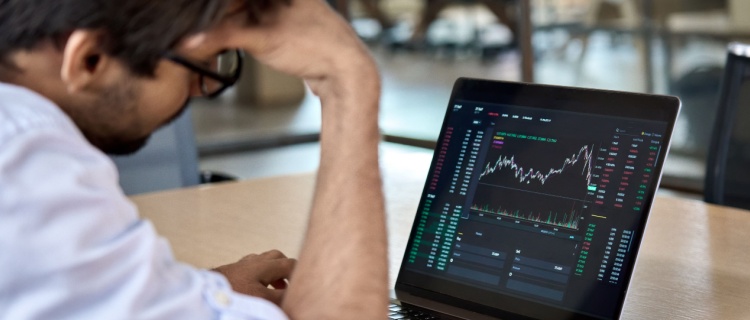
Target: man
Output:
[(77, 75)]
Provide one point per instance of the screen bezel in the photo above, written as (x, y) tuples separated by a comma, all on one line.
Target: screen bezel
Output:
[(618, 104)]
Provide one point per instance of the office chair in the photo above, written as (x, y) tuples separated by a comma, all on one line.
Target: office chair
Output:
[(727, 172), (168, 161)]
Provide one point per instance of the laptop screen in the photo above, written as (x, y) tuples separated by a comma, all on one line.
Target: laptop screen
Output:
[(537, 198)]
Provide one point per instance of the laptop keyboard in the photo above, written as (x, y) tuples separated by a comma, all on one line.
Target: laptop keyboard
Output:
[(396, 311)]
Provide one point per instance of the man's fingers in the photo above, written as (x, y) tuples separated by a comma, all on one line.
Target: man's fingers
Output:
[(277, 269), (268, 255), (273, 254), (274, 296), (270, 266), (279, 284)]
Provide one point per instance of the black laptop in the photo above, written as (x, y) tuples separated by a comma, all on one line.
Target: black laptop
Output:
[(535, 204)]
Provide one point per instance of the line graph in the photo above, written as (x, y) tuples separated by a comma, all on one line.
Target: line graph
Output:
[(543, 182), (559, 166), (528, 175)]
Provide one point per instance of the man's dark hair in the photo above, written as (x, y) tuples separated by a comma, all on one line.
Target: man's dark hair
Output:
[(135, 31)]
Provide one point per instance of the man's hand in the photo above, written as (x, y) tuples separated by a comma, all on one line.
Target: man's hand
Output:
[(253, 275), (306, 39)]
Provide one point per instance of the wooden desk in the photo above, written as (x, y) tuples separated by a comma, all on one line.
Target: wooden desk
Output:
[(694, 263)]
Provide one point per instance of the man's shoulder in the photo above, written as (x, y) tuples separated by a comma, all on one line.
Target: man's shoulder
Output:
[(45, 159), (23, 111), (35, 133)]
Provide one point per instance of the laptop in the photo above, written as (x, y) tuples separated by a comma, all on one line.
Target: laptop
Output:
[(535, 204)]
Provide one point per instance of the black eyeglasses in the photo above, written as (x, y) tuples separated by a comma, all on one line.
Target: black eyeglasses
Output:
[(222, 73)]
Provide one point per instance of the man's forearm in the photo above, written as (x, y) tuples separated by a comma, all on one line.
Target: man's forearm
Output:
[(342, 271), (344, 258)]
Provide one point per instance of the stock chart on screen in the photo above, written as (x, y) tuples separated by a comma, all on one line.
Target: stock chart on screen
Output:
[(535, 202)]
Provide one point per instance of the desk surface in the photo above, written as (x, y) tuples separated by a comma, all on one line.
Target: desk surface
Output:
[(694, 261)]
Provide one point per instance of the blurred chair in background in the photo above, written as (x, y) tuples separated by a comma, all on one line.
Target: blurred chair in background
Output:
[(432, 9), (613, 16), (169, 160), (727, 171), (372, 7), (698, 89)]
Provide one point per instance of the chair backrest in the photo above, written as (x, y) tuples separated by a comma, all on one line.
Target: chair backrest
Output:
[(168, 161), (728, 163)]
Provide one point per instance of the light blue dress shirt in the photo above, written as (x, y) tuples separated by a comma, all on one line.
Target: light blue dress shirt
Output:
[(71, 244)]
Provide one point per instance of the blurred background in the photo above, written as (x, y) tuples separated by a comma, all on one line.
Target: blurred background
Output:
[(269, 123)]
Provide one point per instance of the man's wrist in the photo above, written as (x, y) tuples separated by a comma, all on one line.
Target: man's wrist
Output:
[(354, 74)]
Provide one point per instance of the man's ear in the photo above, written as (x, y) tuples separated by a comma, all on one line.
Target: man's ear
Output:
[(85, 65)]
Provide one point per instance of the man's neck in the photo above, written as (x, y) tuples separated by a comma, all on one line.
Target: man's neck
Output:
[(9, 72), (37, 69)]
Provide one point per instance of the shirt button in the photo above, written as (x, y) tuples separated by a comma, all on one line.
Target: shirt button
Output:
[(222, 299)]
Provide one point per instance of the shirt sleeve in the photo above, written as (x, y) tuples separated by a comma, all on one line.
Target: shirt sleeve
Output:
[(73, 247)]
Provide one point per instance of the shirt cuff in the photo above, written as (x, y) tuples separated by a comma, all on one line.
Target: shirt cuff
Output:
[(231, 305)]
